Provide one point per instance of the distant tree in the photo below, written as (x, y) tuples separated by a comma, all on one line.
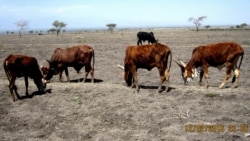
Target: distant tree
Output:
[(52, 30), (31, 32), (231, 27), (12, 32), (237, 26), (197, 21), (7, 32), (207, 26), (21, 25), (243, 25), (58, 26), (111, 27)]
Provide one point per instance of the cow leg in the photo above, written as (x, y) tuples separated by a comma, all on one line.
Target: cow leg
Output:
[(85, 76), (167, 75), (201, 76), (67, 74), (87, 70), (26, 85), (162, 77), (139, 42), (228, 75), (11, 87), (205, 69), (60, 75), (92, 75)]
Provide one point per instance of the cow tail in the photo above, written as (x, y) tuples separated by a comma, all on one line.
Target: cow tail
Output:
[(242, 55), (93, 61), (238, 67), (6, 69), (170, 55)]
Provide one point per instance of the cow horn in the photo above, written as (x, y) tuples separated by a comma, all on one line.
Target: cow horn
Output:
[(180, 63), (120, 66), (183, 64)]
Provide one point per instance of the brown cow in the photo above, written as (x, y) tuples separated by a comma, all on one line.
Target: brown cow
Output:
[(16, 66), (147, 57), (215, 55), (76, 57)]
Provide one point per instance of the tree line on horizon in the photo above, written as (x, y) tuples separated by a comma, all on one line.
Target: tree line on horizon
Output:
[(58, 26)]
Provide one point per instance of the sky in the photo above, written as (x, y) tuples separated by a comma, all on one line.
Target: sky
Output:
[(89, 14)]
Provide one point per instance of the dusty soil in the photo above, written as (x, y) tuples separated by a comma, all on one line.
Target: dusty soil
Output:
[(108, 110)]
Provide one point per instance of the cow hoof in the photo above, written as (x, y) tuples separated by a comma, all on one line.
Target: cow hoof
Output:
[(160, 90), (234, 86)]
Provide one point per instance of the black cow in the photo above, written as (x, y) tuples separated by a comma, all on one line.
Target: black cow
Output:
[(143, 36)]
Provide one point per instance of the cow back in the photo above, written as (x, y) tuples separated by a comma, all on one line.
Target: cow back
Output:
[(146, 56), (22, 65), (215, 54)]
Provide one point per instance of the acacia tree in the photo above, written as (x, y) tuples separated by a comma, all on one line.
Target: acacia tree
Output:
[(21, 25), (58, 26), (197, 21), (111, 27), (207, 26), (243, 25)]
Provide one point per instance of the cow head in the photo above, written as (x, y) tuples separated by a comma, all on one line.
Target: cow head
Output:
[(51, 70), (127, 75), (40, 83), (45, 70), (187, 74)]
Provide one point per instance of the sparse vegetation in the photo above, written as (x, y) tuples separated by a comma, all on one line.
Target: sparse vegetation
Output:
[(111, 27), (58, 26), (21, 25), (197, 21), (243, 25)]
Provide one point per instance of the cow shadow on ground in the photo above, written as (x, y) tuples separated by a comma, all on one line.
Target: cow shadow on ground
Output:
[(86, 81), (36, 93), (163, 88)]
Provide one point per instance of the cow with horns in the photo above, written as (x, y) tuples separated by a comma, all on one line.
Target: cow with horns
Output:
[(147, 57), (216, 55), (76, 57)]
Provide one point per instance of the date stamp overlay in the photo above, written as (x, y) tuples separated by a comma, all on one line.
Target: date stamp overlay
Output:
[(216, 128)]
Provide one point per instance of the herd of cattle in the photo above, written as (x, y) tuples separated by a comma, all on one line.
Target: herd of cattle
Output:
[(141, 56)]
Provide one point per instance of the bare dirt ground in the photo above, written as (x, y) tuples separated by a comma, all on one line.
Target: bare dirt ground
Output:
[(108, 110)]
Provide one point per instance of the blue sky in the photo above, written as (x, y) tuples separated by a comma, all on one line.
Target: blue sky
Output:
[(128, 13)]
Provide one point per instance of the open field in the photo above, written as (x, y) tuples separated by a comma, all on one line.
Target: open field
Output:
[(108, 110)]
